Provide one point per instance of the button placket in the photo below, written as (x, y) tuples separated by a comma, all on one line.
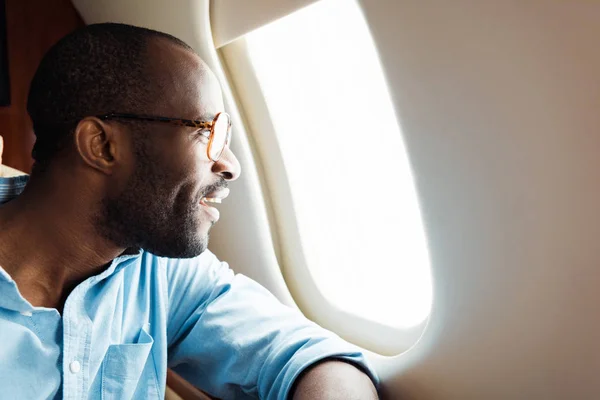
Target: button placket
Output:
[(70, 386), (75, 367), (76, 332)]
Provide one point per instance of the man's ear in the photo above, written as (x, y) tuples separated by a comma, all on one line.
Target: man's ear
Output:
[(96, 145)]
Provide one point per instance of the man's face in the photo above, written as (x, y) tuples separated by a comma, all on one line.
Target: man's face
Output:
[(160, 206)]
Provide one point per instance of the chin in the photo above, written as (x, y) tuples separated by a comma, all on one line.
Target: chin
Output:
[(180, 247)]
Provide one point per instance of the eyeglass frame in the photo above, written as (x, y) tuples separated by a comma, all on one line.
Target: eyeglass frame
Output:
[(178, 122)]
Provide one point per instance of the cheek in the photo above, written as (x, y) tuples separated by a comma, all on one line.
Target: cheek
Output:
[(197, 162), (194, 170)]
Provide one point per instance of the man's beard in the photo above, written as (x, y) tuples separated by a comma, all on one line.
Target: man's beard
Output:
[(154, 216)]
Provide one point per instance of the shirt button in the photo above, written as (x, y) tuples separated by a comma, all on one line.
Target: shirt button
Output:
[(75, 367)]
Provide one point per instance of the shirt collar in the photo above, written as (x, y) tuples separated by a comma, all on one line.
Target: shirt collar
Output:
[(11, 298)]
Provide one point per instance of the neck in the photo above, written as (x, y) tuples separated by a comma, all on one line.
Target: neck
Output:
[(48, 242)]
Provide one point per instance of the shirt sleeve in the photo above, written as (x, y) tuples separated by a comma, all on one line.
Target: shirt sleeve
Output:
[(232, 338)]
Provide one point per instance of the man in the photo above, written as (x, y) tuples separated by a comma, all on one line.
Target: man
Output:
[(105, 280)]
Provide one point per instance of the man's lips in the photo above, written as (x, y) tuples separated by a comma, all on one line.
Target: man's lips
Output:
[(215, 197)]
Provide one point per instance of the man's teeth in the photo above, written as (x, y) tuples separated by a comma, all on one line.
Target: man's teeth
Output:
[(212, 200)]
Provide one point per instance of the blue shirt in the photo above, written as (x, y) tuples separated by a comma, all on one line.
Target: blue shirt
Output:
[(121, 329)]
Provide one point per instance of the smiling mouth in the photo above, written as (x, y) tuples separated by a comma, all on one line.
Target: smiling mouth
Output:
[(215, 197), (215, 200), (207, 202)]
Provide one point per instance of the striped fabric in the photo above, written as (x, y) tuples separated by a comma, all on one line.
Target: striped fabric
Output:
[(12, 187)]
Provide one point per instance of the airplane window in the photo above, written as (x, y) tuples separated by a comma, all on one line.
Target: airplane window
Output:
[(351, 184)]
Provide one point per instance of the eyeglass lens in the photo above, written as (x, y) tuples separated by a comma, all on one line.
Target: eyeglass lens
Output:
[(221, 129)]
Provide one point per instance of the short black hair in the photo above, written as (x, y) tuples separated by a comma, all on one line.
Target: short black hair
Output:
[(94, 70)]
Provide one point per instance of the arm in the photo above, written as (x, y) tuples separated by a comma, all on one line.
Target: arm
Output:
[(233, 339), (333, 380)]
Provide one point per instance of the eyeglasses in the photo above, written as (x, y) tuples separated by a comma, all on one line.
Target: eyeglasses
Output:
[(220, 128)]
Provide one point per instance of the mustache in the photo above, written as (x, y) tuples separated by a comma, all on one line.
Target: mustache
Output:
[(220, 184)]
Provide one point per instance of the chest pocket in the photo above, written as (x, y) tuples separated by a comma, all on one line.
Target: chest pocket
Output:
[(128, 371)]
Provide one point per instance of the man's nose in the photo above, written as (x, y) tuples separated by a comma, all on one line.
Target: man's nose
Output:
[(228, 166)]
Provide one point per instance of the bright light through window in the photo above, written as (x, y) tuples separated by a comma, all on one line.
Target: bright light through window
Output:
[(351, 183)]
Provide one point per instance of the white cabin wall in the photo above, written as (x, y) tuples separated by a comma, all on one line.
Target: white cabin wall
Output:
[(499, 103), (232, 19)]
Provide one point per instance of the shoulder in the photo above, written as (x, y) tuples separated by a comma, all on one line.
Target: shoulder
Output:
[(147, 266), (202, 271)]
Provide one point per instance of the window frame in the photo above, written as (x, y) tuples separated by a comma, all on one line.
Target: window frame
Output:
[(370, 335)]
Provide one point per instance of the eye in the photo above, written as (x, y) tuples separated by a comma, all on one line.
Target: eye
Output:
[(204, 134)]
